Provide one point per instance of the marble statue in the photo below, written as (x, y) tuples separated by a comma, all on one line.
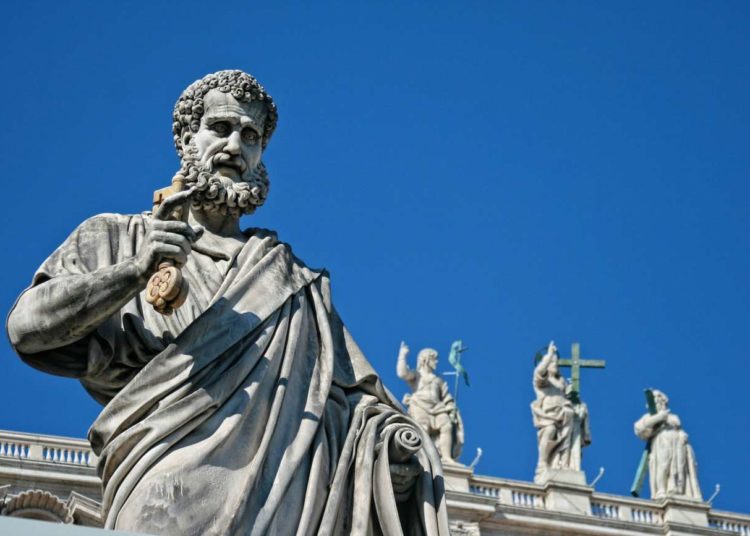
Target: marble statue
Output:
[(430, 402), (562, 425), (242, 406), (672, 467)]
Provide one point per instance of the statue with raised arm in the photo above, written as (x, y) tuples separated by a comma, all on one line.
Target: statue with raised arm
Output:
[(562, 425), (234, 399), (430, 402), (672, 468)]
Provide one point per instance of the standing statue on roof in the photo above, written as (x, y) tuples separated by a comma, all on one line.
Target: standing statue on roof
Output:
[(561, 423), (672, 468), (431, 404)]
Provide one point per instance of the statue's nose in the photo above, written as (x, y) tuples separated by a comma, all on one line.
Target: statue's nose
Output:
[(233, 143)]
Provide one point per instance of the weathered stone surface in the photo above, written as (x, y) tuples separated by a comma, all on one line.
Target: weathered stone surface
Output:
[(249, 409)]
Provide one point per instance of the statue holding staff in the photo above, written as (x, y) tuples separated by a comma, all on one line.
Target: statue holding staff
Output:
[(672, 468), (562, 425), (430, 402)]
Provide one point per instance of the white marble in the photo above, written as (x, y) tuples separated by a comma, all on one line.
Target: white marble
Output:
[(672, 469), (430, 402), (562, 426)]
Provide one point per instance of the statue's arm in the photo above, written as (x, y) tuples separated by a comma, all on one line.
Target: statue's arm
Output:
[(541, 373), (402, 368), (541, 370), (65, 309), (646, 426)]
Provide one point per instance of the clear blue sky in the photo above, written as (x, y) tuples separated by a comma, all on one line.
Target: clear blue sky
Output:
[(501, 172)]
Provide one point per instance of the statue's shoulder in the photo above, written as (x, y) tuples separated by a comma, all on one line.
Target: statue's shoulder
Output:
[(273, 240), (108, 222)]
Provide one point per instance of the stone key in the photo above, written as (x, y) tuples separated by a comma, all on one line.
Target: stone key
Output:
[(167, 290)]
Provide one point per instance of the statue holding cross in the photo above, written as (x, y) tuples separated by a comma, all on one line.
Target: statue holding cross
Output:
[(560, 416)]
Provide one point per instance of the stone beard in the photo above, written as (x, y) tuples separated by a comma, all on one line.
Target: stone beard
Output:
[(250, 409), (217, 193)]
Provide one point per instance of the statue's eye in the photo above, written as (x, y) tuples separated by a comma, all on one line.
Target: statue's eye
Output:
[(221, 128), (249, 135)]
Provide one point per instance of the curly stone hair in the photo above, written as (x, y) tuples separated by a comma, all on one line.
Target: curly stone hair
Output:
[(426, 354), (188, 109)]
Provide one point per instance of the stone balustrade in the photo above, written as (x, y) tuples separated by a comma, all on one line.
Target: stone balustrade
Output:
[(44, 448), (66, 467), (620, 509), (729, 522)]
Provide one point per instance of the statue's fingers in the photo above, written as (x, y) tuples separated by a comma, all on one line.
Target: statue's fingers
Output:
[(172, 202)]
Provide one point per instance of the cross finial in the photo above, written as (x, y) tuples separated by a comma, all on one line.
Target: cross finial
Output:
[(576, 364)]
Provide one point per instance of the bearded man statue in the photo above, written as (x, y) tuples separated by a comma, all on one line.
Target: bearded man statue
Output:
[(249, 409)]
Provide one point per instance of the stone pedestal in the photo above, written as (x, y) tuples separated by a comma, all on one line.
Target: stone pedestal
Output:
[(566, 491), (456, 476), (682, 511)]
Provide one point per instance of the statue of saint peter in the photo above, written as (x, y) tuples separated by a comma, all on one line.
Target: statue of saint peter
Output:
[(249, 409)]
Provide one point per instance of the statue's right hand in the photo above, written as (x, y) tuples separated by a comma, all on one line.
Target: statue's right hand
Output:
[(403, 350), (166, 239)]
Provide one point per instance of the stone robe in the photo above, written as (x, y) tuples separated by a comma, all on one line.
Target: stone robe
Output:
[(552, 408), (250, 410), (433, 407), (671, 463)]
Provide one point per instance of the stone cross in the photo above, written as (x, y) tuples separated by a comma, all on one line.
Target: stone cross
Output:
[(576, 363)]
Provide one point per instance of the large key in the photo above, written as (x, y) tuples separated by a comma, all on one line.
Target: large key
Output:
[(167, 289)]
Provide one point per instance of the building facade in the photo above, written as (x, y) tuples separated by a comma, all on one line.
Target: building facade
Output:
[(54, 479)]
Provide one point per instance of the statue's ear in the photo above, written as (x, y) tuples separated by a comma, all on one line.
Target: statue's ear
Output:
[(187, 136)]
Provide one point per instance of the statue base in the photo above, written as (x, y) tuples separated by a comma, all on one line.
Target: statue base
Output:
[(566, 491), (456, 476), (685, 511), (563, 476)]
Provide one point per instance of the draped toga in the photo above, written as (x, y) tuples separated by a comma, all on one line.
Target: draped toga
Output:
[(250, 410)]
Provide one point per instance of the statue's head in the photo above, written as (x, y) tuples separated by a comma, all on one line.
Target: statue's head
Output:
[(427, 357), (660, 400), (222, 124)]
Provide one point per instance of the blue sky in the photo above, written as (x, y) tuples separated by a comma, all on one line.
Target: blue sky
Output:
[(501, 172)]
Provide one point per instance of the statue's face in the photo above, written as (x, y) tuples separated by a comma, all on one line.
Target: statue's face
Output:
[(229, 139), (429, 361), (660, 401), (554, 366)]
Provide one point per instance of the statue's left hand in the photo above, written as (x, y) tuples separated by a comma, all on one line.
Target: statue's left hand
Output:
[(403, 477)]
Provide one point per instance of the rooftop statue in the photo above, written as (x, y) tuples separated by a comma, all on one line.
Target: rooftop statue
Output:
[(560, 418), (672, 468), (430, 402), (235, 402)]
